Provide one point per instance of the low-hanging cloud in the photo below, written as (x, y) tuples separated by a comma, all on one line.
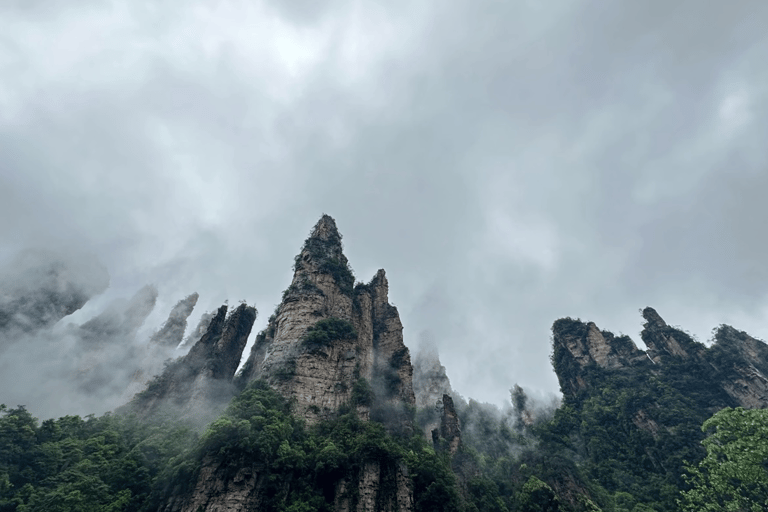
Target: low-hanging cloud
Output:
[(510, 164)]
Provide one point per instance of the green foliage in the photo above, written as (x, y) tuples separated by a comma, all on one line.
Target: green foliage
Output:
[(329, 259), (362, 393), (631, 433), (483, 496), (302, 466), (328, 330), (734, 473), (631, 430), (341, 272), (536, 496), (109, 463)]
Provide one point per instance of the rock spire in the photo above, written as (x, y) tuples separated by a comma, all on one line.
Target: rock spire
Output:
[(327, 334)]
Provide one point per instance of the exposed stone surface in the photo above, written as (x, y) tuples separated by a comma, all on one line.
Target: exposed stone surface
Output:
[(324, 340), (220, 489), (199, 331), (369, 484), (321, 377), (199, 383), (746, 360), (734, 368), (450, 426), (663, 340), (172, 331), (582, 345)]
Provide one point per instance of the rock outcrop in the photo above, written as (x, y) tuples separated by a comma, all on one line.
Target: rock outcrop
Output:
[(450, 428), (330, 345), (327, 334), (662, 340), (172, 332), (642, 411), (733, 370), (199, 384)]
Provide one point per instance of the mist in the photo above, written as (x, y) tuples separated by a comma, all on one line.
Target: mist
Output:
[(56, 367)]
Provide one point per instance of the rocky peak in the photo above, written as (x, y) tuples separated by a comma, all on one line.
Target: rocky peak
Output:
[(744, 360), (329, 346), (734, 370), (663, 340), (172, 331), (326, 335), (653, 320), (198, 384), (322, 257), (326, 231), (579, 345), (199, 331)]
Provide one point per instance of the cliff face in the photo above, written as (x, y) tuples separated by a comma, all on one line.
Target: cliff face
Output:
[(733, 370), (635, 416), (327, 334), (329, 344)]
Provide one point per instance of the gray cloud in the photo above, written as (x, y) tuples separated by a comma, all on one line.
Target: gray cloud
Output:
[(507, 165)]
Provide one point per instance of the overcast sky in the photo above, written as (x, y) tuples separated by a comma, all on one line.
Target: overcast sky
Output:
[(507, 162)]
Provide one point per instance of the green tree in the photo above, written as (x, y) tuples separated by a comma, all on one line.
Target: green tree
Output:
[(733, 475), (536, 496)]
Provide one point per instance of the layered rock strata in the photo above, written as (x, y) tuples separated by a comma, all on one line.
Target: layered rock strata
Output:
[(733, 369), (357, 335), (329, 344)]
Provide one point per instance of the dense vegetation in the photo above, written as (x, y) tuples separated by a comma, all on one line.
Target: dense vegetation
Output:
[(633, 440), (115, 463), (734, 474), (110, 463)]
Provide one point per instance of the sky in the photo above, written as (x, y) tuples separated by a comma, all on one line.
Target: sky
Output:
[(507, 163)]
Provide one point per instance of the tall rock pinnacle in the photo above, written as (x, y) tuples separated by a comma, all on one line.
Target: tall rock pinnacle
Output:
[(330, 347), (327, 334), (172, 331)]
